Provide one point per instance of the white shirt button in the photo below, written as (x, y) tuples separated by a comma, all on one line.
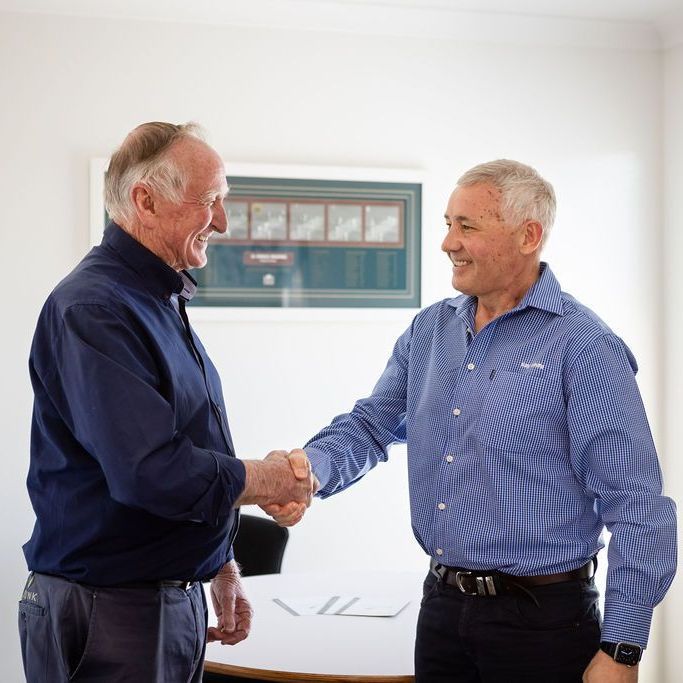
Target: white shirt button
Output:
[(471, 366), (441, 506), (449, 458), (439, 551), (456, 411)]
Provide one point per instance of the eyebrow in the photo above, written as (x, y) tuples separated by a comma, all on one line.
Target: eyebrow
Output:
[(457, 219)]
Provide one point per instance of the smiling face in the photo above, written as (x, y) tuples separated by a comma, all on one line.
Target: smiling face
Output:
[(178, 232), (492, 260)]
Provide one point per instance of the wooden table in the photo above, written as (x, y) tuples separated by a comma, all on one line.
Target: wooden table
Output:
[(329, 648)]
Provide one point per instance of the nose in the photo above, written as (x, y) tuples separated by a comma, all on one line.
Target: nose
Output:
[(220, 217), (451, 242)]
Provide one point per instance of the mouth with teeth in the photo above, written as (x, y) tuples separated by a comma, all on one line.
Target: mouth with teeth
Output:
[(202, 238), (459, 263)]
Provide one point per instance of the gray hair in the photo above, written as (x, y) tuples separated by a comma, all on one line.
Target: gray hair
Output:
[(143, 158), (525, 195)]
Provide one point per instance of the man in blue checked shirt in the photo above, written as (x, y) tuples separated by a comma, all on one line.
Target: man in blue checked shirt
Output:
[(526, 436)]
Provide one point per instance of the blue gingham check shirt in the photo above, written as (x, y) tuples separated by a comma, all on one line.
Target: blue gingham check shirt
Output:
[(524, 440)]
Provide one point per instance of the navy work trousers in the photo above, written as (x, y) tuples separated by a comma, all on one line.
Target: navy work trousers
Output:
[(548, 635), (73, 632)]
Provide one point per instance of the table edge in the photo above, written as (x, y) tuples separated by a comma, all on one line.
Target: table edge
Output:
[(270, 675)]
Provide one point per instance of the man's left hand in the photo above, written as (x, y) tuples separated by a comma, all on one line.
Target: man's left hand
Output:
[(231, 606), (603, 669)]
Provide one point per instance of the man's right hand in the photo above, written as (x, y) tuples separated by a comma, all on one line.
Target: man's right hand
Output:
[(280, 479), (292, 513)]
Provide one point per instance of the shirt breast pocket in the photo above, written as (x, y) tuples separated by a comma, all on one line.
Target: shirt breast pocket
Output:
[(523, 411)]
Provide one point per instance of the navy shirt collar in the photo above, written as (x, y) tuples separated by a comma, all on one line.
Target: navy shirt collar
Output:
[(158, 276)]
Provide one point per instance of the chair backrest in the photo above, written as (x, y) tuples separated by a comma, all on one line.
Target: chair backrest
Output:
[(259, 545)]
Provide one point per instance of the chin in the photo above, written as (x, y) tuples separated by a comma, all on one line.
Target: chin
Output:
[(463, 288), (458, 284), (197, 260)]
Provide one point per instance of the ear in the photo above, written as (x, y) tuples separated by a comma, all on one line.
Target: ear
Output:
[(532, 234), (144, 204)]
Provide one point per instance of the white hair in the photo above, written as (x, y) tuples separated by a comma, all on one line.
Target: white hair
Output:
[(143, 158), (525, 195)]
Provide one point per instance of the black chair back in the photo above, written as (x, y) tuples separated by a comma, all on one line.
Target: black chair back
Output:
[(259, 545)]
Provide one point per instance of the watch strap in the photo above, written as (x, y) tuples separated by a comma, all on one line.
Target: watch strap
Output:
[(622, 652)]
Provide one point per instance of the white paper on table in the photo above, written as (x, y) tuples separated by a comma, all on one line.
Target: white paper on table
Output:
[(312, 604), (370, 607)]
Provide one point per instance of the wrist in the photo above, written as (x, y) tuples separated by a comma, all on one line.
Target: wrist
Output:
[(257, 484), (628, 654), (229, 571)]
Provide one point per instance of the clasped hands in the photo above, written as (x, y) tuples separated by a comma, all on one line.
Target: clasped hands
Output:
[(282, 484), (304, 486)]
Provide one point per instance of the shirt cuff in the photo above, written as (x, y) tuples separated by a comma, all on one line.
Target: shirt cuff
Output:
[(320, 464), (232, 475), (626, 623)]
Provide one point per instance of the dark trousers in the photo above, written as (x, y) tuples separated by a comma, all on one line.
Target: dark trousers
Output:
[(547, 636), (73, 632)]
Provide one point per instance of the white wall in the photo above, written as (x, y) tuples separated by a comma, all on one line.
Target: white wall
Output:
[(588, 118), (672, 249)]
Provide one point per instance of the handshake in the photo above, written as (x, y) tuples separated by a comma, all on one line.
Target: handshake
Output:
[(282, 484)]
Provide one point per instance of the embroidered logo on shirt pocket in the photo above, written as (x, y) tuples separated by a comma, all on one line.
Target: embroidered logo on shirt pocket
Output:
[(523, 410)]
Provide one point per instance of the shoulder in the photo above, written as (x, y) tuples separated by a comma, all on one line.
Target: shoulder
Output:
[(587, 331), (579, 316), (98, 283)]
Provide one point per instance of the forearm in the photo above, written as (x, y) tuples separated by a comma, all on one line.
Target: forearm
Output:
[(131, 429), (260, 483), (614, 457), (230, 571), (641, 564), (353, 444), (272, 481)]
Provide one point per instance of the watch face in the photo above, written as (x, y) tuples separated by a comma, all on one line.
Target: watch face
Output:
[(627, 654)]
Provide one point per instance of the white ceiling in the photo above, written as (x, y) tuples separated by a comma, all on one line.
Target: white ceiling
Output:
[(650, 11), (663, 16)]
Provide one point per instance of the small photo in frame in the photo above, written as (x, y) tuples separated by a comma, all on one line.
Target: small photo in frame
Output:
[(345, 222), (269, 221), (307, 222)]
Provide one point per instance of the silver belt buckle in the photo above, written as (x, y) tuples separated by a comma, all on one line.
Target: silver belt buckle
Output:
[(458, 583), (485, 584)]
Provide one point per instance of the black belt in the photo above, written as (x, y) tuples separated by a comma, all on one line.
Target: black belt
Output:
[(155, 585), (484, 583)]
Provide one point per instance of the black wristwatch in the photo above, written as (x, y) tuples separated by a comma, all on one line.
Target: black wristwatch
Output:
[(623, 653)]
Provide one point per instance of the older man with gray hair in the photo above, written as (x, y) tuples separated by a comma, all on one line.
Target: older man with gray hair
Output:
[(526, 436), (133, 475)]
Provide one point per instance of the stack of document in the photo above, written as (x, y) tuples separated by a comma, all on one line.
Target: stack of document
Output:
[(344, 605)]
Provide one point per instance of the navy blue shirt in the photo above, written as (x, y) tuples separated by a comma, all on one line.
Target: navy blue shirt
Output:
[(132, 474)]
